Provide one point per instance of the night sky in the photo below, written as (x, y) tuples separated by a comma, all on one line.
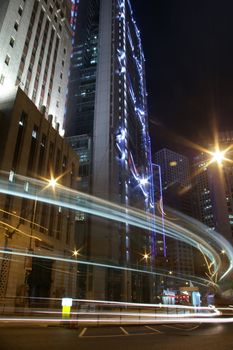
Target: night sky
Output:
[(188, 47)]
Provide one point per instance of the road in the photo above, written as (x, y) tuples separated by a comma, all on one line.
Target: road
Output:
[(160, 337)]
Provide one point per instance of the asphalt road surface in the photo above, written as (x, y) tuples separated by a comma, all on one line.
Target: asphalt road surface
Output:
[(159, 337)]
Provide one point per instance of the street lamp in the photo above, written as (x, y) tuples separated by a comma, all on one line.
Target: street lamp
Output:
[(75, 253), (52, 182), (218, 156), (146, 256)]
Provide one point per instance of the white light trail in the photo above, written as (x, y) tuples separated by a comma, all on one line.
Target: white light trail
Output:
[(191, 231)]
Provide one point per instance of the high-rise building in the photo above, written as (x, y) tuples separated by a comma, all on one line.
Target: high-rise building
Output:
[(106, 123), (31, 147), (213, 188), (35, 41), (176, 185)]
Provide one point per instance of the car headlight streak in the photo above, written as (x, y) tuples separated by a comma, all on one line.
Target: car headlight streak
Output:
[(196, 234)]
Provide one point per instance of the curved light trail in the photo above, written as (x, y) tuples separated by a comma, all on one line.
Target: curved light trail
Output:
[(189, 230)]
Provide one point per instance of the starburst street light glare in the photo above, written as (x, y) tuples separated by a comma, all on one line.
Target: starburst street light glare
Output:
[(53, 182), (146, 256), (218, 156), (75, 252)]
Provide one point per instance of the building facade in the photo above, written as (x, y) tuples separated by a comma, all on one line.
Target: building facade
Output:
[(107, 111), (35, 41), (176, 185), (213, 188), (31, 147)]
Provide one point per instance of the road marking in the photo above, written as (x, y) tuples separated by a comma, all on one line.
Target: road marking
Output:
[(153, 329), (173, 327), (192, 328), (104, 336), (124, 331), (83, 332), (118, 335), (180, 327)]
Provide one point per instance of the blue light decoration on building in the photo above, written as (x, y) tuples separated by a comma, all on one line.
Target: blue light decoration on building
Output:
[(73, 18), (134, 94)]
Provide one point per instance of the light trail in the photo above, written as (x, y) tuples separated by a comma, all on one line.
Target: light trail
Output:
[(141, 320), (198, 280), (191, 231), (131, 314)]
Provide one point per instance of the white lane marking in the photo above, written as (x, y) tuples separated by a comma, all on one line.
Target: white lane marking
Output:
[(192, 328), (153, 329), (82, 332), (118, 335), (173, 327), (105, 336), (124, 331), (181, 328)]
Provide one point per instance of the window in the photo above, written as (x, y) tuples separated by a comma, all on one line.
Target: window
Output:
[(32, 152), (18, 145), (16, 26), (64, 163), (7, 60), (20, 11), (12, 42), (35, 132), (59, 89)]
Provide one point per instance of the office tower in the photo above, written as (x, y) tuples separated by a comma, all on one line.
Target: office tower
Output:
[(31, 147), (176, 194), (159, 211), (107, 116), (213, 188), (35, 41)]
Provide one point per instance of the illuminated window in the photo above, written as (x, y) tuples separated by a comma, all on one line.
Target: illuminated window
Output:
[(11, 176), (173, 163), (35, 132), (26, 186)]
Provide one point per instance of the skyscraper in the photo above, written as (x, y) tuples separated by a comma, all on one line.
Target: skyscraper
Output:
[(107, 117), (213, 188), (176, 185), (35, 41)]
